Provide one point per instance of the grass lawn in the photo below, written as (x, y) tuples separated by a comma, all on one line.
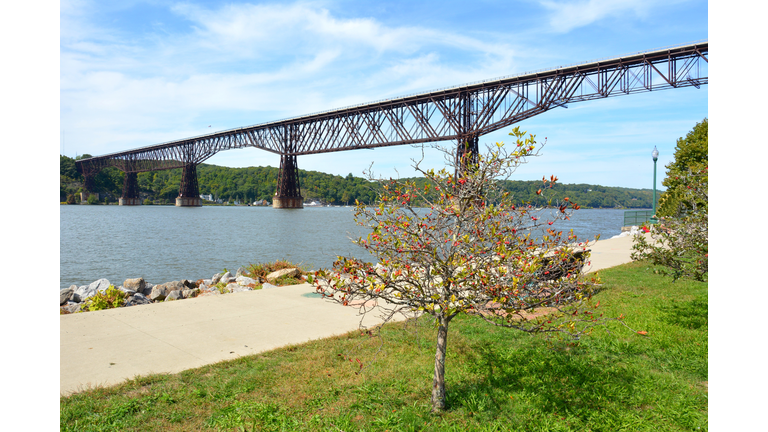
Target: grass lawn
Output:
[(496, 379)]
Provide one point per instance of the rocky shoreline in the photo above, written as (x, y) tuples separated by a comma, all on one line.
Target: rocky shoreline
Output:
[(140, 292)]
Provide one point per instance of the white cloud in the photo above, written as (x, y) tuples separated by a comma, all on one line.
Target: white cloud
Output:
[(264, 61), (568, 15), (276, 25)]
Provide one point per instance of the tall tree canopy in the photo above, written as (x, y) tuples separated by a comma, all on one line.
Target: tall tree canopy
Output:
[(691, 155)]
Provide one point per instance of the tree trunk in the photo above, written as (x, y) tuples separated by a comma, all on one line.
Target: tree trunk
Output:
[(438, 383)]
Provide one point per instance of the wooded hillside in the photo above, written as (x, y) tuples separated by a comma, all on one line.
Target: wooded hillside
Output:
[(247, 185)]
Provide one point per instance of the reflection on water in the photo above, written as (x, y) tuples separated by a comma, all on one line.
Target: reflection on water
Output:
[(165, 243)]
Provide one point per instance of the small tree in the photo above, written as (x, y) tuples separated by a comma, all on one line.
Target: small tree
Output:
[(680, 242), (470, 251)]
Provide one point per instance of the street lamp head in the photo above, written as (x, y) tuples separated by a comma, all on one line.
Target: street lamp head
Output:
[(655, 154)]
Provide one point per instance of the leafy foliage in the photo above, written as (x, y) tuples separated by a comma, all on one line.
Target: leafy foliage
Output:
[(108, 299), (470, 252), (691, 155), (680, 242)]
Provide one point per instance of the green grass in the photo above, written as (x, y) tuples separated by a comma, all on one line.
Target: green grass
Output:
[(496, 379)]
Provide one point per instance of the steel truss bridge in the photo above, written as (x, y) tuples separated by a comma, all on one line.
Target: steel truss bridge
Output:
[(462, 114)]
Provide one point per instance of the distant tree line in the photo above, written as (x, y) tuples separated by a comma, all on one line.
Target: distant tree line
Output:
[(247, 185)]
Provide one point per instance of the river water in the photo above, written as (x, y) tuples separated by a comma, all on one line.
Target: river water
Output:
[(165, 243)]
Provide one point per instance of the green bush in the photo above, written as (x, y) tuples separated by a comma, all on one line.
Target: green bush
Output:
[(261, 270), (222, 288), (109, 299)]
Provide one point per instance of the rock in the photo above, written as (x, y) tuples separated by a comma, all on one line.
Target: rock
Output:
[(215, 279), (268, 285), (86, 291), (190, 293), (71, 308), (176, 285), (102, 286), (147, 289), (240, 272), (207, 282), (285, 272), (206, 291), (159, 292), (137, 285), (239, 288), (137, 299), (227, 278), (245, 281), (174, 295), (66, 294), (380, 269), (129, 292)]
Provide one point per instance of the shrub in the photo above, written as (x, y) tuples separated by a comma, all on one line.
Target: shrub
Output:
[(261, 270), (109, 299), (680, 242)]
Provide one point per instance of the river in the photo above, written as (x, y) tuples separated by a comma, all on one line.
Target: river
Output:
[(165, 243)]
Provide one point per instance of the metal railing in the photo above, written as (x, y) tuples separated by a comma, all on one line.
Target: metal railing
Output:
[(638, 217)]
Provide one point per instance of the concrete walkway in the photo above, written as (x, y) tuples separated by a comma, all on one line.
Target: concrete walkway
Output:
[(107, 347)]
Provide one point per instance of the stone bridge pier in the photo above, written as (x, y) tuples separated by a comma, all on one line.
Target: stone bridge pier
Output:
[(130, 190), (88, 188), (189, 192), (288, 193)]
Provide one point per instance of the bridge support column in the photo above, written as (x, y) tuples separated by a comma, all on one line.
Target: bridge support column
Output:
[(88, 188), (467, 149), (466, 153), (130, 190), (288, 193), (189, 193)]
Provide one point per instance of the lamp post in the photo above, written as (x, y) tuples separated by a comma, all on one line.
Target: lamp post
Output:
[(655, 155)]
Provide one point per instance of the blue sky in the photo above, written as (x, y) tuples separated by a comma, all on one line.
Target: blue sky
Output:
[(143, 72)]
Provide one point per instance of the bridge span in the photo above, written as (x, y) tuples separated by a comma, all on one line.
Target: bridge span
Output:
[(462, 114)]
